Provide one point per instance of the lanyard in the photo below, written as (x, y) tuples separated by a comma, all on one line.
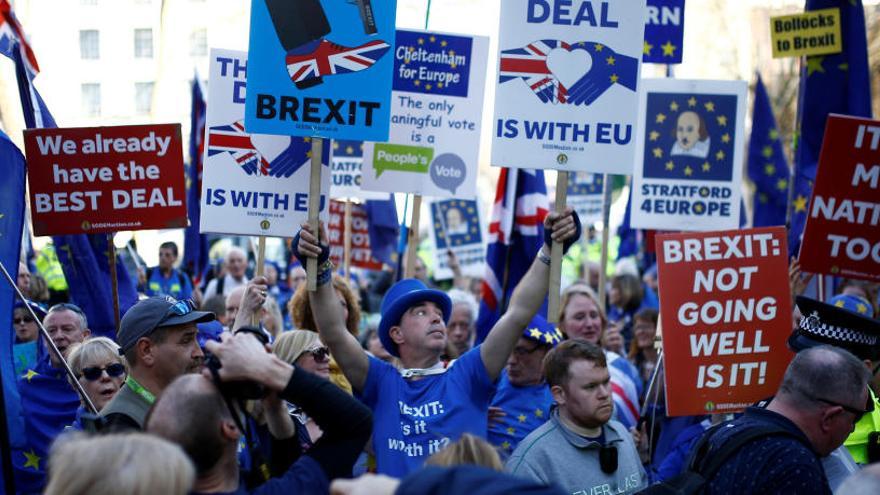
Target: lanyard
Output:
[(140, 390)]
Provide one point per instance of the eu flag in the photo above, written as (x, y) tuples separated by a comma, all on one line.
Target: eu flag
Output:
[(12, 201), (457, 221), (195, 245), (384, 229), (690, 136), (836, 83), (767, 168)]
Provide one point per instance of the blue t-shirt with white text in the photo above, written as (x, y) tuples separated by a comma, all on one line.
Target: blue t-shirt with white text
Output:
[(413, 419)]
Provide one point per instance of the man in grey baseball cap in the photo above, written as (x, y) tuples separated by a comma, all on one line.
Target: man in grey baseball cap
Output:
[(158, 338)]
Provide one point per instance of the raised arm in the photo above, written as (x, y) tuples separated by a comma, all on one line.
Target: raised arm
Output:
[(325, 307), (528, 295)]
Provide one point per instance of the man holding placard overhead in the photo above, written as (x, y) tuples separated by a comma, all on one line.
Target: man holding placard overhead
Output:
[(424, 406)]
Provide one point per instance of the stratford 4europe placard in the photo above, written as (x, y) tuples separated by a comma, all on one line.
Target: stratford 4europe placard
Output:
[(566, 96)]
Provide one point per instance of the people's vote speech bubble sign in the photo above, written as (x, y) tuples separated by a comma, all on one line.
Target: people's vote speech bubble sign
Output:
[(320, 68), (347, 165), (664, 32), (842, 235), (105, 179), (436, 109), (361, 255), (726, 314), (456, 225), (689, 155), (252, 184), (566, 96)]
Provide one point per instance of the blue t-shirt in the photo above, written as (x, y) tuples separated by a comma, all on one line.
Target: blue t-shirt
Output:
[(413, 419), (157, 285), (526, 408)]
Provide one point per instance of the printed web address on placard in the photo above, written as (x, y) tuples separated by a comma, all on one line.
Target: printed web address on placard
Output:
[(104, 225)]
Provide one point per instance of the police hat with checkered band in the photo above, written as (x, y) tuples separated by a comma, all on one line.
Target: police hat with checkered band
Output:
[(838, 326)]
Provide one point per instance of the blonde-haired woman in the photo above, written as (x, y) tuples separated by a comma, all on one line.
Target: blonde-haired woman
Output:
[(100, 370), (303, 319), (304, 350), (581, 317), (469, 450), (132, 463)]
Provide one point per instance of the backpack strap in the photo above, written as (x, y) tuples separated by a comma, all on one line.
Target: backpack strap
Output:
[(720, 455)]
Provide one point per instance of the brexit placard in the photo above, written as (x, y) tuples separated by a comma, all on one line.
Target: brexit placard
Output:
[(726, 317), (456, 227), (252, 184), (566, 96), (842, 235), (361, 255), (320, 68), (664, 32), (347, 176), (436, 109), (105, 179), (690, 159), (585, 196)]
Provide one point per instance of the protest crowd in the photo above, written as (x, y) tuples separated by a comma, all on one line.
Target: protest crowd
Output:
[(703, 353)]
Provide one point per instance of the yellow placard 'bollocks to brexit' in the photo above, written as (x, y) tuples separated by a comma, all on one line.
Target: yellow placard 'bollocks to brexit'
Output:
[(812, 33)]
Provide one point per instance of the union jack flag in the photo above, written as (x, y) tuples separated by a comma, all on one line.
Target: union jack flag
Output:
[(530, 64), (323, 58), (234, 140), (516, 232), (10, 32)]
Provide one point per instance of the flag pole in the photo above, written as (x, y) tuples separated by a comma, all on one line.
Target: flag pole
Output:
[(51, 344), (413, 237), (114, 282), (346, 241), (259, 270), (556, 252), (314, 208), (603, 258)]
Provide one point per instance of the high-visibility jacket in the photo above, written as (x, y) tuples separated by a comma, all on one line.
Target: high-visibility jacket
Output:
[(49, 268)]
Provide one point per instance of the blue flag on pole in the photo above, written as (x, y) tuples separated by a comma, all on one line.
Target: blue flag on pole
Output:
[(629, 237), (48, 402), (384, 228), (195, 245), (12, 201), (516, 232), (767, 166), (838, 83)]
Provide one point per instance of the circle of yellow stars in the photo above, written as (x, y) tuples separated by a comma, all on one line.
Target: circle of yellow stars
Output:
[(431, 39), (470, 210), (691, 104)]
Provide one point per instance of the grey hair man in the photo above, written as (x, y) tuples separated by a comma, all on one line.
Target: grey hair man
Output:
[(234, 266), (823, 394), (462, 323)]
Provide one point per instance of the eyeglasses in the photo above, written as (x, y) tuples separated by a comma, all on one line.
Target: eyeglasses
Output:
[(67, 306), (22, 320), (858, 413), (319, 354), (93, 373)]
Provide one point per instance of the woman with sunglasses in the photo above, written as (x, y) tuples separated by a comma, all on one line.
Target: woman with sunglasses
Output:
[(27, 335), (304, 350), (99, 369)]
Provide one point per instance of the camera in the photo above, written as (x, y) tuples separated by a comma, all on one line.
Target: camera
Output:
[(238, 389)]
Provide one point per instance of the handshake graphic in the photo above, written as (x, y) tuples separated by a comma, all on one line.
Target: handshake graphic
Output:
[(302, 25), (568, 73), (258, 154)]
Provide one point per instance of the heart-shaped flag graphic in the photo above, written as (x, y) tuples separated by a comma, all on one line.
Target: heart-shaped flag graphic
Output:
[(569, 65)]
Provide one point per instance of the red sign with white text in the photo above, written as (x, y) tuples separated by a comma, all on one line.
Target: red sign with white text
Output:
[(726, 315), (105, 179), (361, 256), (842, 235)]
